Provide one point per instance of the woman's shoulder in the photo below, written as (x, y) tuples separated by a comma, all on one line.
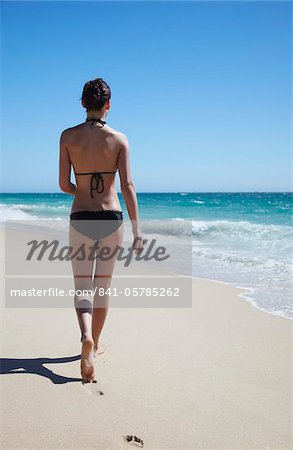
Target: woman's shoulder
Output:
[(73, 133), (117, 133), (107, 128)]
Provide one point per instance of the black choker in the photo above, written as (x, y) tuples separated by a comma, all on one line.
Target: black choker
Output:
[(95, 119)]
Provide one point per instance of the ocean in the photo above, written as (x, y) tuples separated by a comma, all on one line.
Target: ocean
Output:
[(245, 239)]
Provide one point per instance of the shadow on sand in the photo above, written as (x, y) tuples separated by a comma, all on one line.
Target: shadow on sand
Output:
[(36, 366)]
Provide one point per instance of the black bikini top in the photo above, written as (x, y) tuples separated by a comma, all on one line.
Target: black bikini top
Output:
[(96, 176), (96, 180)]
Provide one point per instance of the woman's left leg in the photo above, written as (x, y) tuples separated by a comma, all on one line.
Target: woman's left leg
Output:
[(82, 268), (102, 281)]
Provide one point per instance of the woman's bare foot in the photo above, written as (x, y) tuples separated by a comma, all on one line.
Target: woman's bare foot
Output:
[(87, 365), (98, 349)]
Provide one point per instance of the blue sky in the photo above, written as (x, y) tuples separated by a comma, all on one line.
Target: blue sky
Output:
[(201, 89)]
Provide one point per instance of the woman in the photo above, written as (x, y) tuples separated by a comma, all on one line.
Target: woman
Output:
[(96, 151)]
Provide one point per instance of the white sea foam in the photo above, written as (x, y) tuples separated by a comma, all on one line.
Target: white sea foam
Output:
[(218, 228), (15, 212), (255, 256), (33, 211)]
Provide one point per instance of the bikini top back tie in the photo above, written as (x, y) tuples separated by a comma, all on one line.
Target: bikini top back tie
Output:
[(97, 181)]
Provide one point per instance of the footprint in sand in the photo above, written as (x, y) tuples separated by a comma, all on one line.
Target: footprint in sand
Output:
[(93, 389), (133, 439)]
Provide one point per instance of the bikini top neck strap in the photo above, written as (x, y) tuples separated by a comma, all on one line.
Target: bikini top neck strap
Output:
[(95, 119)]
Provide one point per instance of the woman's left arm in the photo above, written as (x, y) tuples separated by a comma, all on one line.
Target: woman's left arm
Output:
[(65, 168)]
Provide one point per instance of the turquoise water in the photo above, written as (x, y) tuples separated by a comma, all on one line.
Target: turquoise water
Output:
[(262, 208), (240, 238)]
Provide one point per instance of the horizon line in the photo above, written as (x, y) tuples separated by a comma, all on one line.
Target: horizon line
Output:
[(163, 192)]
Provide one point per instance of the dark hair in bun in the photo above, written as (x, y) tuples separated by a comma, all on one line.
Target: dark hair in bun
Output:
[(95, 94)]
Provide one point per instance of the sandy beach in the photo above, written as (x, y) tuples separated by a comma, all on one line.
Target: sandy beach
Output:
[(214, 376)]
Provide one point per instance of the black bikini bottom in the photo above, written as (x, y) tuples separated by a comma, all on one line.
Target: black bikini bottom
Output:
[(96, 224)]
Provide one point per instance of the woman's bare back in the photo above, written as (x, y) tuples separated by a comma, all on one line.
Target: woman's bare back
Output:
[(94, 150)]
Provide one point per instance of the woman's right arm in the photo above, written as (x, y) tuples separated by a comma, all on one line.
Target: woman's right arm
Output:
[(127, 186), (65, 167)]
